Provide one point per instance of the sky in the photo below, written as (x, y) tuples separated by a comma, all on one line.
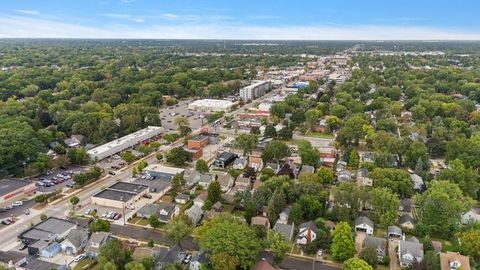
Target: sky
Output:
[(242, 19)]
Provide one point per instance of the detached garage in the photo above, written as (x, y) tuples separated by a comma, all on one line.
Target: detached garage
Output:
[(364, 224)]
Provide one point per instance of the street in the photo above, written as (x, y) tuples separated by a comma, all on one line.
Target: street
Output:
[(293, 263)]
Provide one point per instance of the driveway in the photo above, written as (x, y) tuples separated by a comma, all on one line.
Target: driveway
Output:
[(392, 244), (359, 241)]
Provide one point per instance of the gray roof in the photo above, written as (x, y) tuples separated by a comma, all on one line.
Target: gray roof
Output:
[(149, 209), (286, 211), (168, 207), (409, 247), (308, 224), (285, 229), (273, 166), (48, 228), (194, 213), (394, 230), (362, 172), (405, 205), (405, 218), (170, 255), (376, 242), (200, 257), (97, 238), (417, 181), (307, 168), (240, 161), (76, 236), (363, 220), (182, 196)]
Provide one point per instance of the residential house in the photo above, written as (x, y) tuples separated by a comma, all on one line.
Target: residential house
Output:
[(341, 165), (194, 213), (307, 233), (240, 163), (44, 249), (417, 180), (405, 206), (140, 253), (193, 177), (307, 169), (226, 181), (242, 182), (364, 224), (200, 258), (167, 211), (344, 176), (201, 199), (378, 244), (283, 216), (363, 179), (217, 207), (473, 215), (406, 221), (148, 210), (263, 211), (285, 229), (75, 241), (169, 256), (263, 265), (260, 221), (409, 251), (274, 166), (224, 159), (74, 141), (394, 232), (454, 261), (97, 239), (182, 198), (256, 162), (367, 157)]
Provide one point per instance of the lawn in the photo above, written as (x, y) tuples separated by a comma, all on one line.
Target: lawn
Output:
[(166, 198), (134, 220), (143, 222), (85, 264), (319, 135)]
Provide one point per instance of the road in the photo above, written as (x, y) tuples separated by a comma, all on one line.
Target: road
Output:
[(294, 263)]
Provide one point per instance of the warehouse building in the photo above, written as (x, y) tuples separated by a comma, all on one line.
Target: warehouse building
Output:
[(211, 105), (118, 145), (119, 195), (255, 90), (12, 190), (48, 230), (162, 172)]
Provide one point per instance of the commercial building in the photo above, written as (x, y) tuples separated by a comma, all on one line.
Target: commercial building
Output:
[(255, 90), (198, 141), (224, 159), (120, 144), (48, 230), (119, 195), (211, 105), (12, 190), (340, 60), (162, 172)]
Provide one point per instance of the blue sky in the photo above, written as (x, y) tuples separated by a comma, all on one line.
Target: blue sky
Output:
[(242, 19)]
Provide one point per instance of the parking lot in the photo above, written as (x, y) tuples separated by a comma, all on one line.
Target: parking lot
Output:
[(57, 175), (169, 114), (17, 210)]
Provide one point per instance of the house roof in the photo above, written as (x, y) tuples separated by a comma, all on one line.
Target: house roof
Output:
[(149, 209), (225, 156), (376, 243), (273, 166), (363, 220), (194, 213), (446, 259), (170, 255), (217, 206), (200, 257), (362, 172), (201, 197), (307, 168), (417, 181), (182, 196), (260, 221), (308, 224), (406, 218), (394, 230), (409, 247), (240, 161), (285, 211), (245, 181), (76, 236), (141, 253), (285, 229), (405, 205), (224, 179)]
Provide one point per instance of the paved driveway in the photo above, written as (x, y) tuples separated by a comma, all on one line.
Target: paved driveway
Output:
[(359, 241)]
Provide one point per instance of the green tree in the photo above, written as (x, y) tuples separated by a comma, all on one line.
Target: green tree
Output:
[(214, 192), (386, 206), (178, 156), (296, 214), (356, 264), (74, 201), (470, 243), (308, 154), (277, 245), (275, 150), (224, 261), (201, 166), (441, 207), (78, 156), (114, 253), (397, 180), (369, 255), (465, 178), (226, 234), (343, 246), (354, 159), (154, 222), (178, 181), (270, 131), (99, 225), (133, 265), (246, 142), (416, 151), (178, 229), (325, 175)]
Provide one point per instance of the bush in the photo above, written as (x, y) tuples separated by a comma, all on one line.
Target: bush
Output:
[(82, 179), (99, 226)]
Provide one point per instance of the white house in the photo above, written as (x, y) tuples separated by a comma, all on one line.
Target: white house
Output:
[(471, 216), (182, 198), (364, 224), (75, 241), (409, 251), (283, 216), (307, 233)]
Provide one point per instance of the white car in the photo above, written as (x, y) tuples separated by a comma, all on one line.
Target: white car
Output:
[(87, 212), (105, 215), (79, 257), (17, 203)]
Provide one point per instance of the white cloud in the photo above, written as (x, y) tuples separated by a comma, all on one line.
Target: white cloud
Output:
[(124, 16), (27, 11), (17, 26)]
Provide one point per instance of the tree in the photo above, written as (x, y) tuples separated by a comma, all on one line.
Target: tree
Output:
[(270, 131), (356, 264), (127, 157), (369, 255), (133, 265), (352, 131), (277, 245), (354, 159), (153, 221), (348, 200), (275, 150), (470, 243), (285, 133), (417, 150), (343, 246), (99, 225), (178, 229), (277, 202), (441, 207), (325, 175), (178, 182), (246, 142), (465, 178), (225, 261), (78, 156), (181, 122), (149, 262), (214, 192), (311, 206), (296, 214), (74, 201), (227, 235), (386, 206), (308, 154), (178, 156), (255, 130), (114, 253), (397, 180), (201, 166)]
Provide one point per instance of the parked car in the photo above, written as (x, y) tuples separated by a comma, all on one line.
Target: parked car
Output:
[(27, 212), (118, 216), (111, 173), (17, 203), (78, 257), (187, 259), (148, 196), (6, 222), (40, 184), (70, 185)]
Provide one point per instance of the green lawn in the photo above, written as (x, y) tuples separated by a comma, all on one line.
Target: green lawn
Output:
[(319, 135), (143, 222), (85, 264)]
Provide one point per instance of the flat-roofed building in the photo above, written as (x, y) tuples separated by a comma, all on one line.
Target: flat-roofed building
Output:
[(211, 105), (125, 142), (255, 90), (48, 230), (119, 195), (198, 141), (12, 190), (162, 172)]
